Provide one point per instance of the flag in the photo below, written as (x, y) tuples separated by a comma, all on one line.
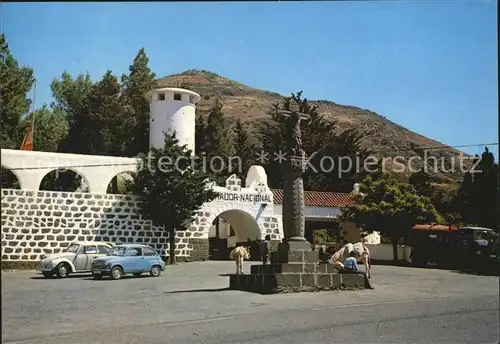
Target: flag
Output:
[(28, 139)]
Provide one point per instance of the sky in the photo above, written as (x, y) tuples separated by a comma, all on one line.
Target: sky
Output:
[(430, 66)]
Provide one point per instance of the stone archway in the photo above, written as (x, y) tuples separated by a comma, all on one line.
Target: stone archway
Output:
[(231, 228), (119, 184), (64, 179), (10, 179)]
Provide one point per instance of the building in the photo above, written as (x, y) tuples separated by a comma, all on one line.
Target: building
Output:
[(36, 222)]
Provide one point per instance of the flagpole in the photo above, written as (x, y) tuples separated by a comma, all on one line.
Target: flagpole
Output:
[(33, 118)]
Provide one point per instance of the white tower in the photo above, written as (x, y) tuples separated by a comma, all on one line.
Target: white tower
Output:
[(172, 109)]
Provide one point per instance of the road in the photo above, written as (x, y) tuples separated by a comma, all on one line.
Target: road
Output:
[(190, 304)]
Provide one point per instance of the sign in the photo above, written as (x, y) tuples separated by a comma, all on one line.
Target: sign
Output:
[(237, 197)]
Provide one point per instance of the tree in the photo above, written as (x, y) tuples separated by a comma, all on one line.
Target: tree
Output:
[(71, 101), (15, 83), (218, 144), (440, 197), (244, 148), (322, 142), (477, 200), (421, 181), (199, 132), (50, 129), (486, 185), (136, 86), (464, 200), (173, 190), (105, 111), (390, 207)]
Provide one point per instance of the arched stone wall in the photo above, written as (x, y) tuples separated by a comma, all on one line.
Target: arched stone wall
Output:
[(118, 174), (32, 166), (84, 183), (6, 170)]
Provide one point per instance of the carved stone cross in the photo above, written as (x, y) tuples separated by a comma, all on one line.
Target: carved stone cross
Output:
[(293, 119)]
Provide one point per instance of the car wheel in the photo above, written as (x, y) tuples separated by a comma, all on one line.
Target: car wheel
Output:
[(47, 274), (63, 270), (155, 271), (116, 273)]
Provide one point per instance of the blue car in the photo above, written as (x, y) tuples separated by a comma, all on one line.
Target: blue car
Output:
[(128, 259)]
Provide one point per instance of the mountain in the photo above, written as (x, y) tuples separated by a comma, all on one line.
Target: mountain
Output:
[(384, 137)]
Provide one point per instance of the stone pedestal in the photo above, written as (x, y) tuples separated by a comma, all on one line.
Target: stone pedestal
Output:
[(294, 271)]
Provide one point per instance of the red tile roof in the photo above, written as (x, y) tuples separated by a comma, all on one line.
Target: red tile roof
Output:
[(319, 199)]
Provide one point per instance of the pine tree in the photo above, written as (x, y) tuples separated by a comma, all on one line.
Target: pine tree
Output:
[(71, 101), (15, 83), (321, 142), (477, 200), (136, 86), (486, 195), (218, 144), (244, 148), (463, 200), (171, 194), (200, 133), (105, 111)]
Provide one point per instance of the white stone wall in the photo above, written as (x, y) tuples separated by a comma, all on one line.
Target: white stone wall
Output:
[(44, 222)]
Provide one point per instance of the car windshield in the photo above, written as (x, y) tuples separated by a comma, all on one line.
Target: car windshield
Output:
[(117, 251), (73, 248)]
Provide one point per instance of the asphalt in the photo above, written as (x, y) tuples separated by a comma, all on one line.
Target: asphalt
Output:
[(189, 303)]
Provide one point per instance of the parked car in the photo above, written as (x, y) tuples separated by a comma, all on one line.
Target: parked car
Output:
[(76, 258), (128, 259)]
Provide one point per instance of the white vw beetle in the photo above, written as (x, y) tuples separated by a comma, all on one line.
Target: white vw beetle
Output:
[(77, 257)]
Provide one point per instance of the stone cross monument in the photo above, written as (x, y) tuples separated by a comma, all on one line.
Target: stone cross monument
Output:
[(294, 266), (293, 191)]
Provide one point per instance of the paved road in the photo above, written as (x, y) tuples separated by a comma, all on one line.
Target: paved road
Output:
[(188, 304)]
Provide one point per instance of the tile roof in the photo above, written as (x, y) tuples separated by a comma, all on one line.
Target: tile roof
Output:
[(319, 199)]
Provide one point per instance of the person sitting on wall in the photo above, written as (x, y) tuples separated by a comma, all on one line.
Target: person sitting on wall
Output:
[(351, 266), (265, 249)]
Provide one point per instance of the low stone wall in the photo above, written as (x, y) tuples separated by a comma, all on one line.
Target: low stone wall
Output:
[(45, 222)]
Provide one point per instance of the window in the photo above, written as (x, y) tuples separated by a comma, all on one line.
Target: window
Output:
[(103, 249), (117, 251), (134, 251), (146, 251), (73, 248), (90, 249), (177, 96), (192, 99), (161, 96)]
